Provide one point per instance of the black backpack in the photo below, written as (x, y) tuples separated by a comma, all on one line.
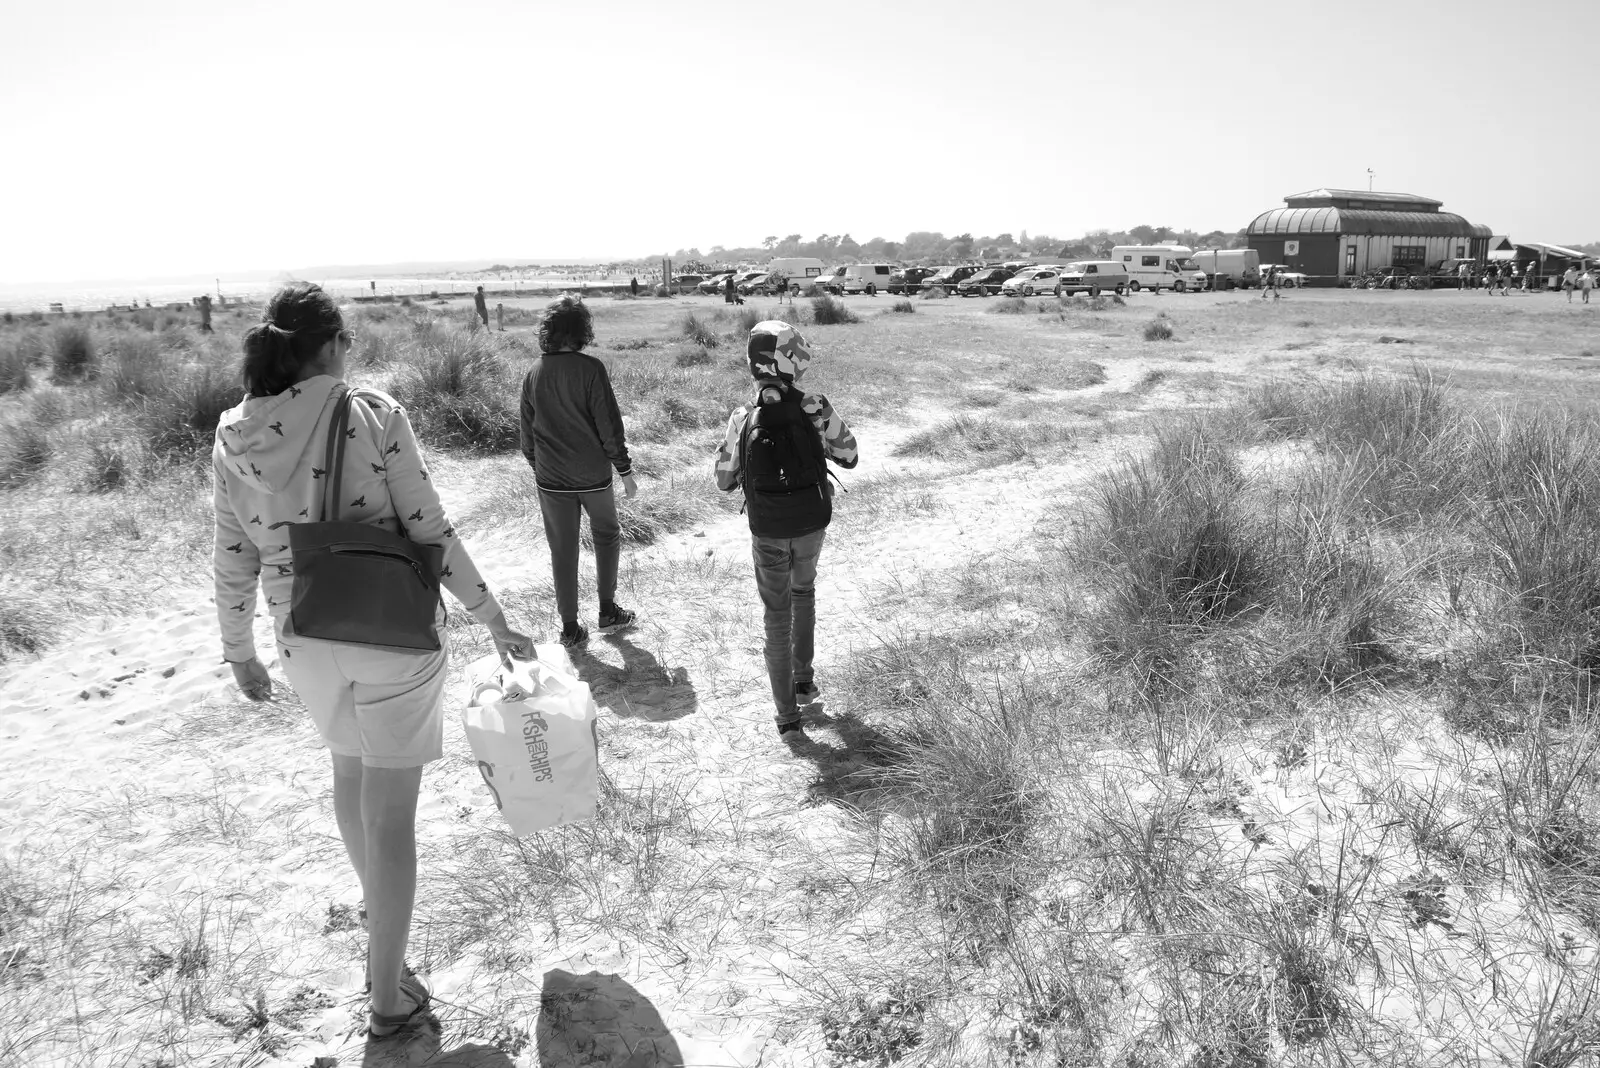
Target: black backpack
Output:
[(782, 468)]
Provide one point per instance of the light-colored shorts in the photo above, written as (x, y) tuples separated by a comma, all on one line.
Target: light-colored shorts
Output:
[(382, 706)]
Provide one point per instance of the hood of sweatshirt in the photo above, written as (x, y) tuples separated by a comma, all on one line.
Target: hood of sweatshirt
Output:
[(777, 350), (264, 438)]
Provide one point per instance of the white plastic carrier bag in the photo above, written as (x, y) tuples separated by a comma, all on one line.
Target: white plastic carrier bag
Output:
[(531, 725)]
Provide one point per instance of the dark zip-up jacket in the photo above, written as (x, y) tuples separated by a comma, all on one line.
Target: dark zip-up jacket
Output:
[(571, 427)]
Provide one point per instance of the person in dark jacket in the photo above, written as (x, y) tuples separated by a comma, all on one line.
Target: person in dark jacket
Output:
[(572, 436)]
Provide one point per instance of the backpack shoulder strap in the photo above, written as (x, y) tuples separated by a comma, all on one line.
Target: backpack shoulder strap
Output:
[(333, 457)]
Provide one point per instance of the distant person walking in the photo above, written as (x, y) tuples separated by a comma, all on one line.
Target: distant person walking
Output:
[(205, 313), (1586, 282), (633, 285), (729, 294), (572, 437), (777, 449), (1529, 274), (1463, 275), (482, 305), (1269, 284), (500, 316), (380, 711), (1569, 281)]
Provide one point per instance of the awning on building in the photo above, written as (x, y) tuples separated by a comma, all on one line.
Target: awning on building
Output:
[(1540, 248)]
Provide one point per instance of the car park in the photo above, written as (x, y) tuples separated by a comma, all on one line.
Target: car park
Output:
[(985, 283), (948, 278), (756, 283), (1092, 277), (1031, 280), (909, 279)]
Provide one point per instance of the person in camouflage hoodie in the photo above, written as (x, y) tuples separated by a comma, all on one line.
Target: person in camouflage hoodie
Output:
[(786, 567)]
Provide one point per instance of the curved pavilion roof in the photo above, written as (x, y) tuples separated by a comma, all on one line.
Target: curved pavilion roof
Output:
[(1329, 220)]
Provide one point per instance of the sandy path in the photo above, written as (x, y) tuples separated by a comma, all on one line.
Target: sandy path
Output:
[(129, 741)]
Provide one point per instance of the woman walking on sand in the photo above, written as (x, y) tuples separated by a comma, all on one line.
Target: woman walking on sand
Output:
[(379, 711)]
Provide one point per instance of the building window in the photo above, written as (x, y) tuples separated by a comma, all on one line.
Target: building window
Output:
[(1410, 255), (1461, 252), (1349, 259)]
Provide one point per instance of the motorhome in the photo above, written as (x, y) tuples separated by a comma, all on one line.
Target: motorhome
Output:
[(1230, 267), (801, 271), (1160, 267)]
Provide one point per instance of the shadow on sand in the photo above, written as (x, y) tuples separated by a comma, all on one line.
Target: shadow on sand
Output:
[(640, 687), (584, 1020), (859, 771), (418, 1045), (597, 1019)]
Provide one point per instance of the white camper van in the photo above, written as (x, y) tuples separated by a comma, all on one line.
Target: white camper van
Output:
[(801, 271), (868, 278), (1230, 267), (1160, 267)]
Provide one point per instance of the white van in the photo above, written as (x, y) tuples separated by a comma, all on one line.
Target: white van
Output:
[(1229, 267), (801, 271), (1092, 276), (1160, 267), (868, 278)]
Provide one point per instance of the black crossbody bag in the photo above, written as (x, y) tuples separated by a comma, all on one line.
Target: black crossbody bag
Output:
[(358, 583)]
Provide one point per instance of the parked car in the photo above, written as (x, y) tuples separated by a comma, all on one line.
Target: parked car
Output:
[(909, 279), (950, 277), (713, 286), (682, 282), (1092, 277), (1031, 280), (986, 283), (1287, 279), (755, 283)]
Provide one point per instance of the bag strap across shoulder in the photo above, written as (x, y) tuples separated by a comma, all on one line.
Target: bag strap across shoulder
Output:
[(333, 457)]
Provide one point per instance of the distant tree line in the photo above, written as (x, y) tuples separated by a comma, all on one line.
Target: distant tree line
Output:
[(928, 246)]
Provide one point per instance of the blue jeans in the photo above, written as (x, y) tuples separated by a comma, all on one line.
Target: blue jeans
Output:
[(786, 578)]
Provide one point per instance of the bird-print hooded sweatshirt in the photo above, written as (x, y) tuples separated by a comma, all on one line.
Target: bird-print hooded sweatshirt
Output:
[(777, 354), (267, 469)]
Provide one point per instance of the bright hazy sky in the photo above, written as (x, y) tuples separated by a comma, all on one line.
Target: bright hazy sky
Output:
[(192, 138)]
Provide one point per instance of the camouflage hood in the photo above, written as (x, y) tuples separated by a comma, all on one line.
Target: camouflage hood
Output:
[(777, 350)]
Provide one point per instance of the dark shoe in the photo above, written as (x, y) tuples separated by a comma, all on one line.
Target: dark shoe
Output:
[(806, 692), (613, 618), (573, 634), (785, 730)]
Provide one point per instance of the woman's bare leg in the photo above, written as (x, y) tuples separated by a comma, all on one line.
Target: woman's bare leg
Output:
[(347, 813), (388, 817)]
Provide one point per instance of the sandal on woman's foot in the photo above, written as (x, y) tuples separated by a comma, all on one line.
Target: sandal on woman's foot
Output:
[(380, 1025)]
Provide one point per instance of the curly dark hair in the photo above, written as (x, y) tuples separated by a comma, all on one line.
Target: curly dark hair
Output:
[(566, 324)]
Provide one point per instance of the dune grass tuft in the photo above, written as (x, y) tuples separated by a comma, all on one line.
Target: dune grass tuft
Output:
[(459, 393), (72, 352), (829, 311), (904, 307), (699, 331), (1158, 329)]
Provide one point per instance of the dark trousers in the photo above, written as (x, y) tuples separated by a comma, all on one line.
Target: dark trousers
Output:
[(786, 578), (561, 512)]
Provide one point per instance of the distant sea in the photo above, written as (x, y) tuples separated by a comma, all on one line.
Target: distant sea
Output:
[(97, 296)]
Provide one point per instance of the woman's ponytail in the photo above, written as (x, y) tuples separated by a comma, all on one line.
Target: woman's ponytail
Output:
[(299, 320), (270, 364)]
